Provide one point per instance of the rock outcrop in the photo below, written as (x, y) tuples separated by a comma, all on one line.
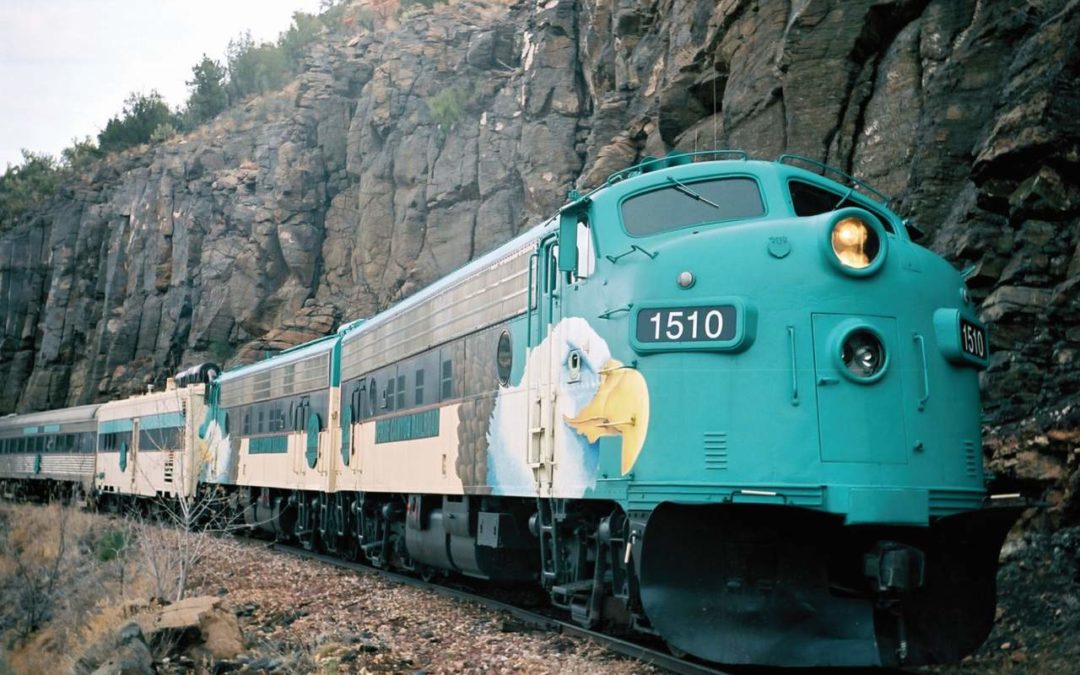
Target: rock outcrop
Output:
[(404, 151)]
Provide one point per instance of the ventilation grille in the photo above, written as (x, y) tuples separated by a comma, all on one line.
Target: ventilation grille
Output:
[(716, 450), (168, 468), (970, 459)]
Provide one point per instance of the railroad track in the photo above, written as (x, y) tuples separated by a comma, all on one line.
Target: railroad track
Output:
[(536, 620)]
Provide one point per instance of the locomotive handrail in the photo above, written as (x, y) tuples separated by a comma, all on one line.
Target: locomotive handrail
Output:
[(794, 368), (925, 374), (791, 159), (648, 164), (607, 314), (634, 248)]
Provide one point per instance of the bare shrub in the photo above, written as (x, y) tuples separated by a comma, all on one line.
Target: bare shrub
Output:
[(173, 543)]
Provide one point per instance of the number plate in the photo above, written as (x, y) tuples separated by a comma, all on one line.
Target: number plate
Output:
[(716, 323), (973, 339)]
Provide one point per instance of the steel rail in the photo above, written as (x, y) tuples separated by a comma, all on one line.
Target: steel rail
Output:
[(659, 659)]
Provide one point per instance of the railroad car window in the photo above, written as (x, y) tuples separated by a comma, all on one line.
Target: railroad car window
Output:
[(320, 403), (260, 425), (811, 200), (388, 395), (400, 392), (419, 386), (553, 268), (225, 424), (246, 431), (356, 399), (680, 205), (586, 252), (167, 438), (447, 380)]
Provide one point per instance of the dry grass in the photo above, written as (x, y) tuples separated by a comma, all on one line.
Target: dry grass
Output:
[(68, 581)]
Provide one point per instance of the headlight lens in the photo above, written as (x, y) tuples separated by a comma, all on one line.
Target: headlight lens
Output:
[(863, 354), (855, 243)]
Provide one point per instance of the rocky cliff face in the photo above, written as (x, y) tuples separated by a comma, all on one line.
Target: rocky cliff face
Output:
[(404, 151)]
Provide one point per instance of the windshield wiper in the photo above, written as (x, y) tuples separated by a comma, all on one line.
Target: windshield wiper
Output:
[(691, 192)]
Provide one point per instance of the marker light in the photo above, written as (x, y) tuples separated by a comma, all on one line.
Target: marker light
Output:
[(855, 243), (863, 354)]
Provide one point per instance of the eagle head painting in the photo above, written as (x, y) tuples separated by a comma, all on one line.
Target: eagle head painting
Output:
[(595, 395)]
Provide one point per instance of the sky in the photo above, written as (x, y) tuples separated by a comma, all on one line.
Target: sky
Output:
[(66, 66)]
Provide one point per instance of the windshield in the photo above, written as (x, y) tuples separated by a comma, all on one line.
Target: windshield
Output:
[(682, 204), (810, 200)]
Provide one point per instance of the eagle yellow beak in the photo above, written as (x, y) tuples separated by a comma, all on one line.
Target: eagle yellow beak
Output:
[(621, 406)]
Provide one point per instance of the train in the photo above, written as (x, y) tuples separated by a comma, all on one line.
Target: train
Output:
[(726, 402)]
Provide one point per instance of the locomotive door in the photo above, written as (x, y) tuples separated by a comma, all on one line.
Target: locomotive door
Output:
[(858, 420), (543, 314)]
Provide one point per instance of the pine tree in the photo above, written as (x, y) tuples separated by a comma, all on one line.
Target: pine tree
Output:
[(208, 96)]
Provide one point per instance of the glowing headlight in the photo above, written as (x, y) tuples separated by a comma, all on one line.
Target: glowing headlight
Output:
[(863, 354), (855, 243)]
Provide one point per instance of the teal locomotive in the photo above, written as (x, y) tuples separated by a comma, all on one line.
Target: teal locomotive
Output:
[(725, 402)]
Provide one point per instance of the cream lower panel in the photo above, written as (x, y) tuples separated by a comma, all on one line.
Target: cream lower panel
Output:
[(156, 472), (286, 470), (317, 478), (109, 477), (425, 465)]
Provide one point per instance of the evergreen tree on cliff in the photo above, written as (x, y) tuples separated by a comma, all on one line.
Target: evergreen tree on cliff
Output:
[(142, 114), (208, 95)]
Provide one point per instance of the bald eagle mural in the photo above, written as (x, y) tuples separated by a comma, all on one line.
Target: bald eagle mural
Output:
[(595, 395), (217, 460)]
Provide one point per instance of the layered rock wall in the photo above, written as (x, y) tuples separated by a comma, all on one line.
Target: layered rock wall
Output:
[(402, 152)]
